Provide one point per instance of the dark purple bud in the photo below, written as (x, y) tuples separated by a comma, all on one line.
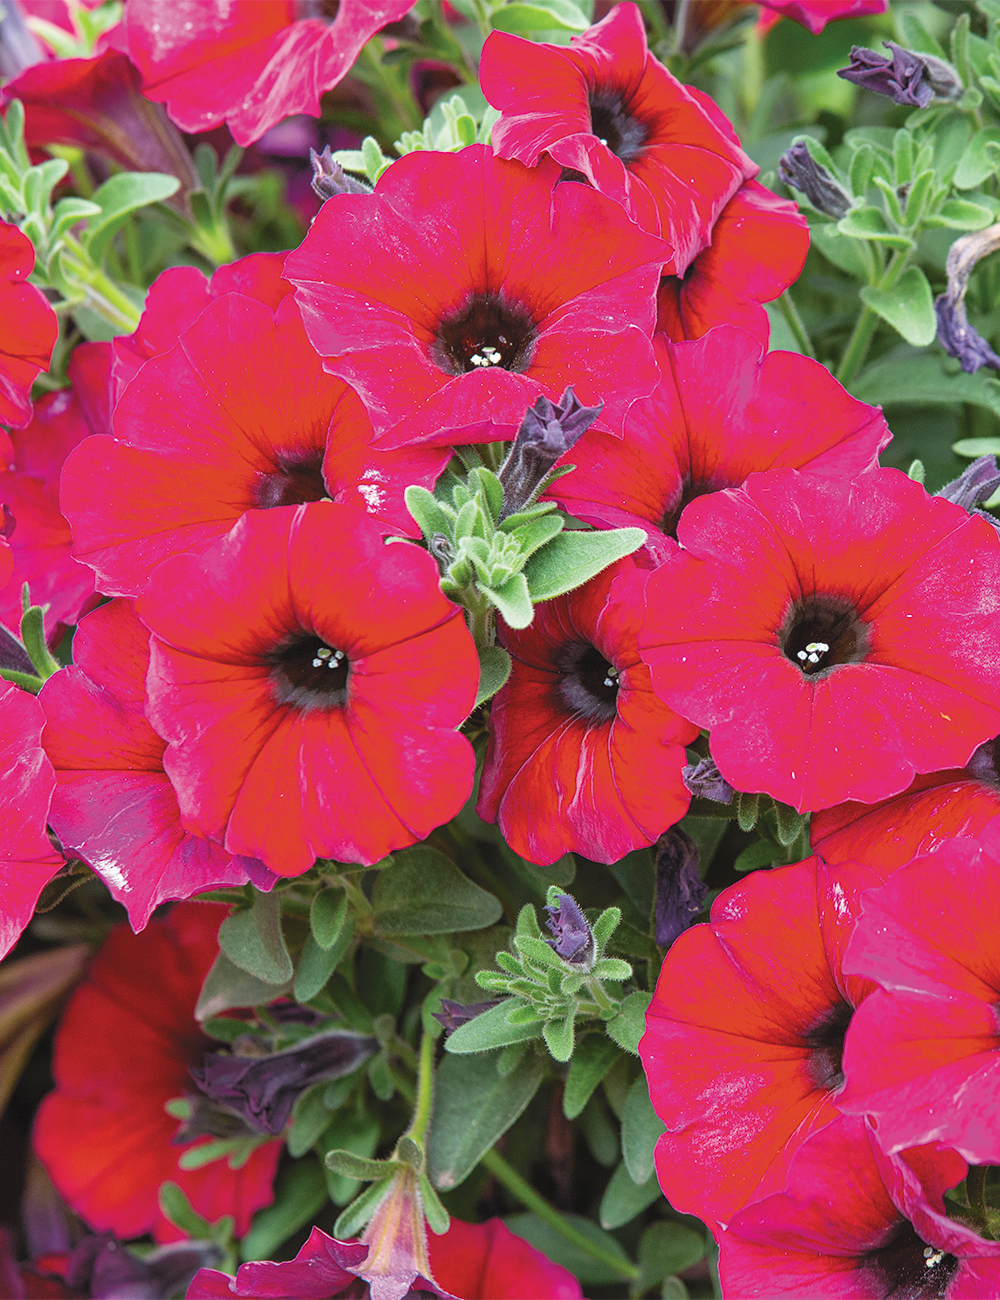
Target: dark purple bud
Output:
[(547, 432), (330, 179), (974, 485), (13, 654), (705, 781), (453, 1014), (799, 169), (984, 764), (18, 48), (263, 1089), (903, 77), (680, 891), (208, 1118), (955, 334), (103, 1268), (572, 937)]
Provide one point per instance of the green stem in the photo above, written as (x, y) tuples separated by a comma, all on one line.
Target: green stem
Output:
[(102, 295), (861, 336), (794, 322), (425, 1091), (526, 1194), (975, 1187), (25, 680)]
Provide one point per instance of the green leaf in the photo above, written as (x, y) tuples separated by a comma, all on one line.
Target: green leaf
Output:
[(309, 1118), (542, 16), (668, 1247), (975, 447), (316, 965), (624, 1199), (299, 1195), (605, 926), (613, 968), (227, 986), (559, 1036), (560, 1251), (593, 1058), (358, 1167), (747, 811), (977, 162), (350, 1131), (788, 822), (178, 1209), (252, 939), (67, 213), (33, 638), (473, 1107), (425, 893), (534, 534), (351, 1221), (641, 1126), (759, 854), (868, 222), (960, 214), (431, 516), (491, 1029), (908, 308), (512, 600), (574, 557), (327, 915), (922, 380), (118, 197), (494, 669), (227, 1029), (629, 1024)]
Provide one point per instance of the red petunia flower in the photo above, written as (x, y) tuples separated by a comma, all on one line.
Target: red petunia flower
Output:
[(466, 287), (97, 104), (932, 811), (924, 1059), (582, 756), (723, 409), (759, 244), (605, 108), (123, 1049), (256, 423), (813, 622), (248, 63), (40, 541), (477, 1261), (855, 1224), (27, 859), (745, 1032), (309, 678), (28, 327), (114, 806)]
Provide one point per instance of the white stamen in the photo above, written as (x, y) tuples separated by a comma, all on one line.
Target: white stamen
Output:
[(932, 1257)]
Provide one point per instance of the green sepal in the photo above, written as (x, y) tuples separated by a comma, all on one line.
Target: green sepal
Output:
[(176, 1207), (868, 222), (409, 1152), (358, 1167), (438, 1219), (575, 556), (352, 1221), (537, 950), (527, 922), (33, 637), (614, 969), (748, 811)]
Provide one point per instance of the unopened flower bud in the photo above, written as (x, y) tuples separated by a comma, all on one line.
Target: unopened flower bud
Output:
[(680, 891), (454, 1014), (974, 486), (954, 333), (907, 78), (547, 432), (263, 1089), (330, 179), (18, 48), (799, 169), (101, 1267), (572, 937), (705, 781)]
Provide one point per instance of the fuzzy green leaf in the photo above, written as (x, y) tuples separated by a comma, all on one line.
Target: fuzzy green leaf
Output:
[(605, 926), (641, 1126), (178, 1209), (252, 939), (438, 1219), (118, 197), (227, 986), (922, 380), (512, 600), (494, 669), (430, 515), (541, 16), (553, 1244), (593, 1058), (327, 915), (425, 893), (352, 1220), (908, 307), (960, 214), (574, 557), (666, 1248), (629, 1024), (355, 1166), (624, 1199), (869, 223), (317, 964), (559, 1037)]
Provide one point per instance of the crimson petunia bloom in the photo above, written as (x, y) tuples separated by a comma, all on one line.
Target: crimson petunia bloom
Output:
[(745, 1032), (604, 107), (855, 1224), (466, 287), (249, 63), (582, 756), (924, 1059), (27, 859), (759, 244), (28, 327), (114, 806), (123, 1049), (814, 622), (309, 677), (238, 415), (40, 542), (723, 409), (932, 811)]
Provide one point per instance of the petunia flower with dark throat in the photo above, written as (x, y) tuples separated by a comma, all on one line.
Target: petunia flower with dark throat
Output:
[(262, 1090)]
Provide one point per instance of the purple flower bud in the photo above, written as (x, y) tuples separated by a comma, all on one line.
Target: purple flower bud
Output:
[(904, 77), (974, 485), (453, 1014), (103, 1268), (955, 334), (330, 179), (705, 781), (680, 892), (18, 48), (799, 169), (263, 1089), (547, 432), (13, 654), (572, 937)]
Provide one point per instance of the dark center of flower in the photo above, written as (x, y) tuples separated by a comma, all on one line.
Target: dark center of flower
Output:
[(309, 674), (690, 490), (296, 480), (590, 684), (984, 764), (325, 10), (486, 332), (906, 1268), (826, 1041), (614, 126), (822, 632)]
